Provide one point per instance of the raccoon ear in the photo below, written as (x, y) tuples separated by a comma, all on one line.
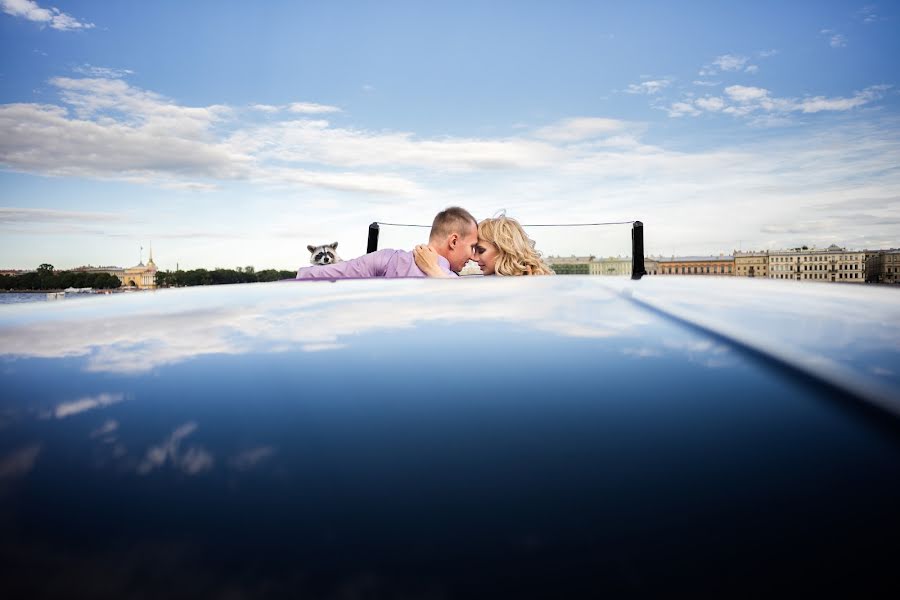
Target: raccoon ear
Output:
[(334, 246), (311, 248)]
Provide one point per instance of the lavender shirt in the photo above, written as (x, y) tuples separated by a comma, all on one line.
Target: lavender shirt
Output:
[(383, 263)]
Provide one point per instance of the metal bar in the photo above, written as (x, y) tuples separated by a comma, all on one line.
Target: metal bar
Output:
[(637, 250), (373, 238)]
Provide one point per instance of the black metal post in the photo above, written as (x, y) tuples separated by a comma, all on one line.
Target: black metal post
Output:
[(637, 250), (373, 238)]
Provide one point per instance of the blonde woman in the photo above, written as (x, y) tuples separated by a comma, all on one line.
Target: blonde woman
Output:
[(503, 249)]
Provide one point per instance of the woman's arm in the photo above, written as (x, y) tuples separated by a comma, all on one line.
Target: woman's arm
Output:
[(427, 261)]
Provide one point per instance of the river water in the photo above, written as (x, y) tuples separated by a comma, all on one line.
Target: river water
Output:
[(19, 297)]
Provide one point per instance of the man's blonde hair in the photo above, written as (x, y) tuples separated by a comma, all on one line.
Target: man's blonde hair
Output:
[(451, 220), (516, 254)]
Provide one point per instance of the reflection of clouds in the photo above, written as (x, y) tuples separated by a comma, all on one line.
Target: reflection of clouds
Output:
[(192, 461), (834, 332), (704, 352), (19, 462), (642, 352), (307, 316), (321, 347), (67, 409), (108, 427), (248, 459)]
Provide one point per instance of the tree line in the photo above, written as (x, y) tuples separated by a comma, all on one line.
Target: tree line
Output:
[(219, 276), (45, 278)]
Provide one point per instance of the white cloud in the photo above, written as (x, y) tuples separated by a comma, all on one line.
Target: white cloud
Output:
[(577, 129), (742, 93), (838, 41), (648, 87), (10, 214), (31, 11), (821, 103), (835, 40), (680, 109), (769, 111), (303, 108), (868, 15), (266, 108), (706, 83), (310, 108), (107, 72), (316, 141), (712, 104), (733, 63), (107, 129), (730, 62)]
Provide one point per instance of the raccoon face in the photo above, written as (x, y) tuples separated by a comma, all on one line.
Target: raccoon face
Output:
[(323, 255)]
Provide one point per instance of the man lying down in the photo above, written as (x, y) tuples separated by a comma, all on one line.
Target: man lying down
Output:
[(454, 235)]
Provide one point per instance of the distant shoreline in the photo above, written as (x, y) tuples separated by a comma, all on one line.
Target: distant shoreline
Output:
[(50, 291)]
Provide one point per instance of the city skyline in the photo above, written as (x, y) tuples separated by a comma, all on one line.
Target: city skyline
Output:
[(234, 136)]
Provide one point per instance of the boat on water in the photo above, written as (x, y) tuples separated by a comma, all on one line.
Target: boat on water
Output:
[(70, 291)]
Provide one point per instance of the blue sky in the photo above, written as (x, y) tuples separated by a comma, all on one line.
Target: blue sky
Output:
[(233, 134)]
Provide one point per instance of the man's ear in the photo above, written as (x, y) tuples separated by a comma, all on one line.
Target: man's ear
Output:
[(311, 248), (334, 246), (452, 239)]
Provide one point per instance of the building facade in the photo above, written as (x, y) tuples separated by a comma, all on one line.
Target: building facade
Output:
[(616, 266), (883, 266), (751, 264), (696, 265), (833, 264), (570, 265), (140, 276), (611, 266)]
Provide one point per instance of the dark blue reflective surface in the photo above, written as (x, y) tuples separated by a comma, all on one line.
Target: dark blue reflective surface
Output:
[(501, 437)]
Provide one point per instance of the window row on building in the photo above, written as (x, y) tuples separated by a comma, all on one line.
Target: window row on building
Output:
[(799, 264)]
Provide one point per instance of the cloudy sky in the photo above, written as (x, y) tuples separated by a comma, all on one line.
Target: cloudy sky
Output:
[(229, 133)]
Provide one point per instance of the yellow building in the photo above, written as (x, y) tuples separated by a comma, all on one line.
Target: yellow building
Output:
[(751, 264), (140, 276), (696, 265)]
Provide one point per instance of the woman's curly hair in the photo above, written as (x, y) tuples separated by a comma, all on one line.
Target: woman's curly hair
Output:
[(516, 255)]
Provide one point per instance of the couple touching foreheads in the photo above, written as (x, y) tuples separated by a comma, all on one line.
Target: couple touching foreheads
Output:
[(499, 245)]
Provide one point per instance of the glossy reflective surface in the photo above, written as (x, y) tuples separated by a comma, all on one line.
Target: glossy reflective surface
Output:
[(488, 437)]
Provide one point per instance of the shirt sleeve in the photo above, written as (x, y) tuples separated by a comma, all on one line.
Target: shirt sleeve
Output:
[(365, 266)]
